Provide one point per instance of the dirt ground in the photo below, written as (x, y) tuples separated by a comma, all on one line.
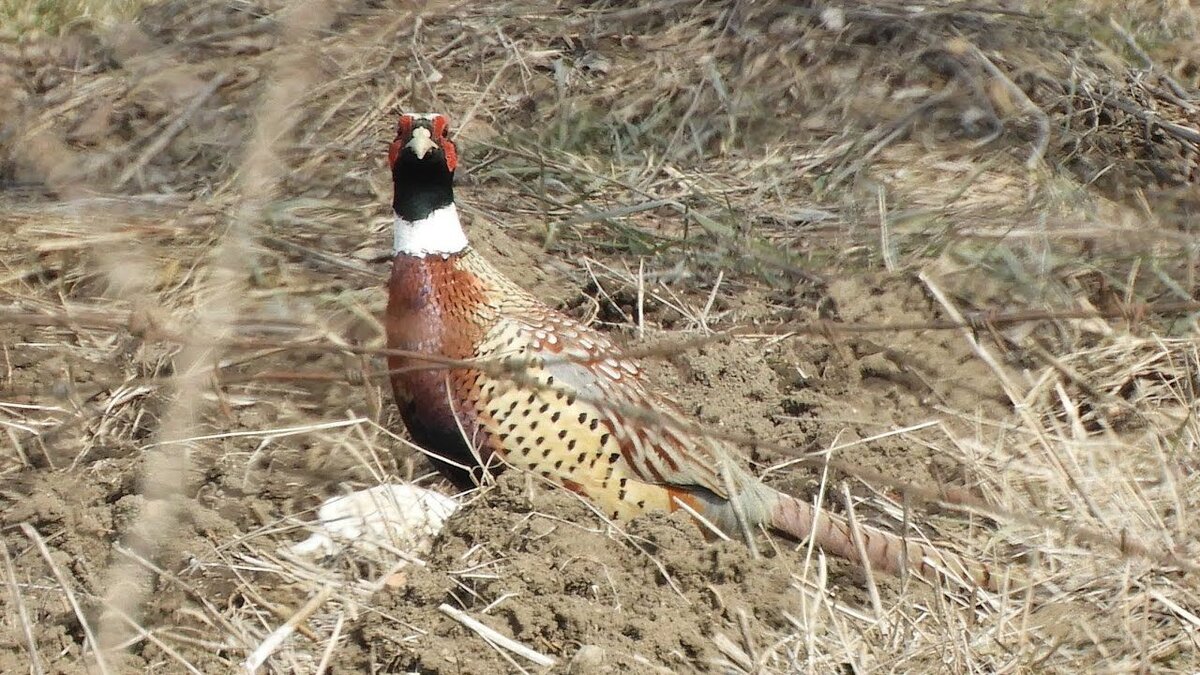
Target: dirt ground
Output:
[(195, 224)]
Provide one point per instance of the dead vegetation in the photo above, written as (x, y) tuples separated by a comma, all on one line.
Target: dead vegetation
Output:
[(195, 231)]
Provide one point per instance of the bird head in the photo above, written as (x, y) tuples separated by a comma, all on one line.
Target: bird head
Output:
[(423, 149)]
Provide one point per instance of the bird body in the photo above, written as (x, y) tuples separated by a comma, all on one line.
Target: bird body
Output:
[(569, 406), (538, 422)]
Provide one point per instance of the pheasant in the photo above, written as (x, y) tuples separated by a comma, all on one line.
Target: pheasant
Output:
[(575, 411)]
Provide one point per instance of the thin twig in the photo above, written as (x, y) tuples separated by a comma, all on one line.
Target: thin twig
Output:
[(35, 658), (1041, 120), (153, 639), (886, 248), (336, 635), (273, 641), (865, 561), (77, 318), (888, 134), (1180, 92), (1177, 130), (739, 509), (88, 633), (172, 130), (495, 638)]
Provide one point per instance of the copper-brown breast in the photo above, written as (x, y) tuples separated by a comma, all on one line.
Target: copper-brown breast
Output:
[(434, 307)]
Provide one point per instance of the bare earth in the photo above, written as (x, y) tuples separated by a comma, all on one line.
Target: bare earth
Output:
[(194, 222)]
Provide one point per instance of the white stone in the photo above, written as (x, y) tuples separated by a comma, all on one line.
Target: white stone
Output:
[(397, 516)]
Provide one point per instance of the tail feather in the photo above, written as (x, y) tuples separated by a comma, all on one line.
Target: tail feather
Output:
[(884, 551)]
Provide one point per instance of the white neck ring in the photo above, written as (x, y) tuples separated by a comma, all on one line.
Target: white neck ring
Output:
[(439, 233)]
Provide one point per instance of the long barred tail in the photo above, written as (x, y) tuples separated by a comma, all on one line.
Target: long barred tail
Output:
[(884, 551)]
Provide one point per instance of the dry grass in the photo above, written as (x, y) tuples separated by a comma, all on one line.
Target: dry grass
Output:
[(31, 19), (196, 208)]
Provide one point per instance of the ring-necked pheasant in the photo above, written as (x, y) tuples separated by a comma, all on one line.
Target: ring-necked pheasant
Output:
[(567, 413)]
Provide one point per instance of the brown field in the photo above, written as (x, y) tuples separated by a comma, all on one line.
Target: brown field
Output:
[(936, 263)]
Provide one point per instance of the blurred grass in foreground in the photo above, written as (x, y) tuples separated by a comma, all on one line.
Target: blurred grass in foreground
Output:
[(23, 19)]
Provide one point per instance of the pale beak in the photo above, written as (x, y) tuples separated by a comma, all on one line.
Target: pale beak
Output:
[(421, 142)]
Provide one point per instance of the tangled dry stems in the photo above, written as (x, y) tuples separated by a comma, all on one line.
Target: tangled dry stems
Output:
[(768, 147)]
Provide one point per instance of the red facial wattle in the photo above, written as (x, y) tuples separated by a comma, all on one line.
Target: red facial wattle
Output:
[(439, 127)]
